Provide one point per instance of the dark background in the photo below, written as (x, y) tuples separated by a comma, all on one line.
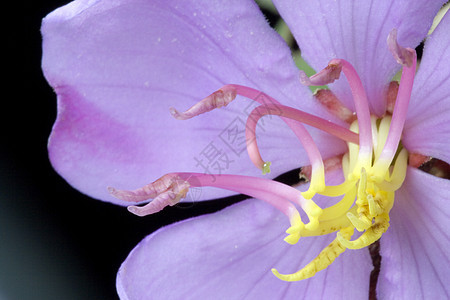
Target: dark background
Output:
[(55, 243)]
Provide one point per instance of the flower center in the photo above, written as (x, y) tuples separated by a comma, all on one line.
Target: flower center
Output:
[(374, 166), (373, 170), (368, 214)]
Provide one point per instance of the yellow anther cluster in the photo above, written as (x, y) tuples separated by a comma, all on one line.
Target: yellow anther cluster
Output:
[(367, 198)]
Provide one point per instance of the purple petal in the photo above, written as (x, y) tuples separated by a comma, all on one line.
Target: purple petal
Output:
[(415, 249), (119, 66), (427, 129), (229, 254), (357, 31)]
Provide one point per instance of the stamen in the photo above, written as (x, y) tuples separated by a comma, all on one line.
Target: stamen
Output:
[(318, 177), (361, 223), (407, 57), (330, 226), (303, 117), (302, 134), (170, 198), (149, 191), (374, 208), (372, 145), (416, 160), (296, 228), (228, 93), (371, 235), (375, 135), (404, 56), (321, 262), (330, 164), (337, 190), (334, 106), (219, 98), (353, 154), (274, 193), (166, 191), (391, 96), (398, 173), (329, 75), (382, 135), (339, 208)]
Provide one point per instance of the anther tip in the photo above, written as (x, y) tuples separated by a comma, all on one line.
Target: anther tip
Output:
[(304, 79), (280, 276), (136, 210), (275, 272), (174, 113), (292, 239), (404, 56)]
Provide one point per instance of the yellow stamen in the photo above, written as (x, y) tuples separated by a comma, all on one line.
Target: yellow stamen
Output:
[(339, 208), (321, 262), (337, 190), (373, 188), (313, 211), (370, 236), (294, 231), (382, 135), (317, 184), (398, 174), (330, 226)]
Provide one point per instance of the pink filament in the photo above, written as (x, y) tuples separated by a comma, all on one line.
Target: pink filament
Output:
[(147, 192), (274, 193), (361, 104), (299, 130), (219, 98), (297, 115), (408, 58)]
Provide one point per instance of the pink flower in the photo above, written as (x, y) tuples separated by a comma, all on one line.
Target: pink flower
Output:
[(110, 62)]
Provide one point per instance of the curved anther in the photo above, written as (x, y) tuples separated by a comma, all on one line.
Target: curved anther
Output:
[(321, 262), (328, 75), (168, 190), (374, 205), (219, 98), (404, 56), (168, 198), (371, 235), (362, 223), (148, 191), (339, 208)]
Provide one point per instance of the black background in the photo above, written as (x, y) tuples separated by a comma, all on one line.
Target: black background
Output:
[(55, 243)]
